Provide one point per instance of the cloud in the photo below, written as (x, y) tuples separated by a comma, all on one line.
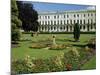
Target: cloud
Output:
[(91, 8)]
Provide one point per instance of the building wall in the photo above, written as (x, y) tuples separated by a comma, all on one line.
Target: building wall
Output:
[(65, 21)]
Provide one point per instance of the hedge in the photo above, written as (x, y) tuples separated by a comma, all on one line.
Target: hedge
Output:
[(60, 32)]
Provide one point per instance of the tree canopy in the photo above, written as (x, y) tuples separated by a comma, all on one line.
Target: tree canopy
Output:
[(28, 16), (15, 22)]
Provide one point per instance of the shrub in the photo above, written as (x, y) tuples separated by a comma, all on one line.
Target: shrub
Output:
[(60, 32), (55, 64), (22, 66), (15, 22), (29, 65), (15, 35), (40, 66), (92, 43), (19, 67), (76, 32), (71, 57)]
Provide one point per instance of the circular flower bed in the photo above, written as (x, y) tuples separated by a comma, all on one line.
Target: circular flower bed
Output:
[(38, 46), (58, 47)]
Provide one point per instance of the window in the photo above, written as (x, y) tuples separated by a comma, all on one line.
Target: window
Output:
[(61, 28), (54, 22), (67, 16), (67, 21), (74, 22), (88, 21), (74, 15), (70, 21), (67, 28), (54, 28), (94, 25), (61, 22), (51, 28), (64, 16), (88, 14), (58, 16), (42, 28), (91, 21), (45, 22), (84, 21), (77, 15), (80, 27), (45, 17), (84, 15), (58, 21), (51, 23), (54, 17), (48, 17), (91, 27), (95, 14), (71, 28), (64, 22), (84, 27), (80, 21), (64, 27), (77, 21), (91, 14)]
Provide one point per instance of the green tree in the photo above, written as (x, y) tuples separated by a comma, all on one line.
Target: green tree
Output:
[(76, 32), (15, 22), (28, 15)]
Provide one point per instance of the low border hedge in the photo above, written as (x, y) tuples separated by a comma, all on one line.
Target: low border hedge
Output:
[(60, 32)]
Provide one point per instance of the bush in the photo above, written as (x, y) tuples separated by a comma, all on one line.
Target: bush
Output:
[(15, 35), (15, 22), (22, 66), (92, 43), (60, 32), (71, 59), (29, 65), (76, 32)]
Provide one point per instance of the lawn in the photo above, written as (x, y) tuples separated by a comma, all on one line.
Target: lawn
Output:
[(24, 50), (91, 64)]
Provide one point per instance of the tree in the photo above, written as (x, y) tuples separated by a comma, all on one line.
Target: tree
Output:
[(15, 22), (76, 32), (28, 15)]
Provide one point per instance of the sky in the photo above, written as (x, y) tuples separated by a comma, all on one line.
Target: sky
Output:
[(43, 6)]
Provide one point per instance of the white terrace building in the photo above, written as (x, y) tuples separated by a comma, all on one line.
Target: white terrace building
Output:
[(65, 21)]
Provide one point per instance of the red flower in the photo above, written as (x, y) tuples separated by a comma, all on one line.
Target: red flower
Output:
[(69, 67)]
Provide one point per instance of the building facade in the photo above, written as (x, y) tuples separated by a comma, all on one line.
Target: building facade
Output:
[(65, 21)]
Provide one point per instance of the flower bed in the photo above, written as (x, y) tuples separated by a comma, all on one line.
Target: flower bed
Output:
[(59, 47), (67, 61), (38, 46)]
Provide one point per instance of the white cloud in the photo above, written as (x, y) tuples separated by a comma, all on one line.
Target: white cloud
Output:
[(91, 8)]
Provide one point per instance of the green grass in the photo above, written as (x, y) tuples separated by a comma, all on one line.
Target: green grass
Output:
[(24, 50), (91, 64)]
